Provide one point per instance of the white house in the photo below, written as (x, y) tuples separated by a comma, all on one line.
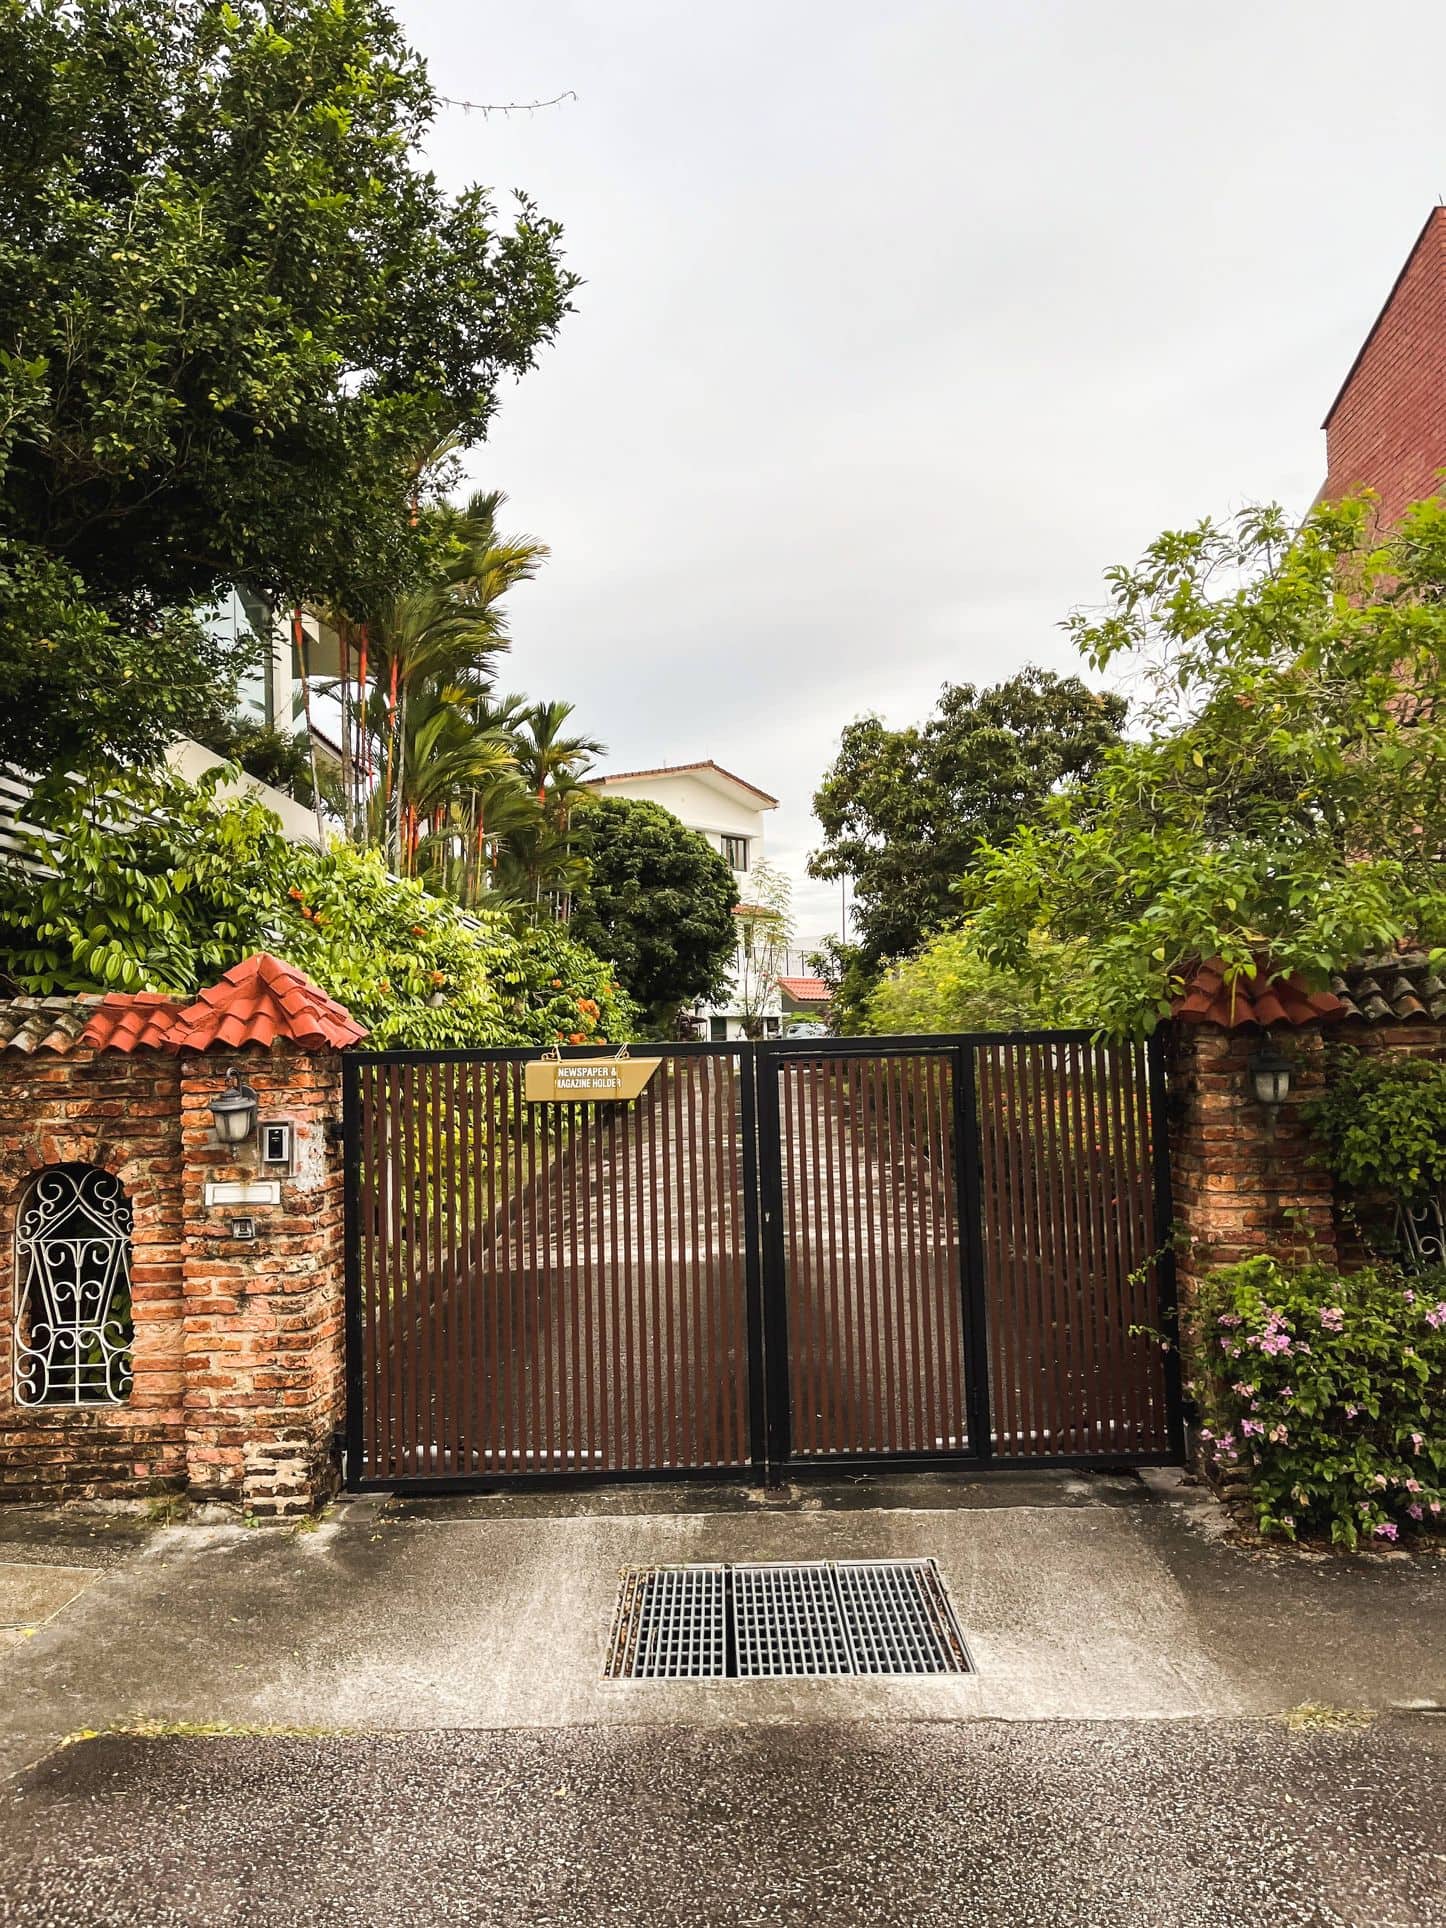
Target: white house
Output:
[(729, 813)]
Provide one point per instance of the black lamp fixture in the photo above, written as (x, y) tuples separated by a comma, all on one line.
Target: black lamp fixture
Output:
[(235, 1110), (1270, 1071)]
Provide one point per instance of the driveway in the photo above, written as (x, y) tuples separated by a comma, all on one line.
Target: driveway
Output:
[(1159, 1719)]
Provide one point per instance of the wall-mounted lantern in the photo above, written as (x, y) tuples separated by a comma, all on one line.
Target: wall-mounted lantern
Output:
[(235, 1110), (1270, 1071)]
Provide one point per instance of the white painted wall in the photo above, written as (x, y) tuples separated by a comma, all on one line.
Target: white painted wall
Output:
[(192, 760)]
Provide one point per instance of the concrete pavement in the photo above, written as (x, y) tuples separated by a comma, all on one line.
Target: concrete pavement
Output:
[(1102, 1599)]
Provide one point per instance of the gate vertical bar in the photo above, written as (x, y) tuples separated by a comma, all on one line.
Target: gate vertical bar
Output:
[(968, 1187), (773, 1267), (1167, 1291), (353, 1231), (753, 1270)]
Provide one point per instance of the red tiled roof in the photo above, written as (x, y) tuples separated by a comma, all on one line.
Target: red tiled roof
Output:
[(257, 1001), (807, 990), (1259, 1000), (132, 1021)]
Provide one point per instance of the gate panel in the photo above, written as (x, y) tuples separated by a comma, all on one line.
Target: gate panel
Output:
[(1068, 1221), (871, 1253), (557, 1288)]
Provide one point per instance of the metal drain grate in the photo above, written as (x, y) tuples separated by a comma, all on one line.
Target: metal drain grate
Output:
[(809, 1619), (672, 1624)]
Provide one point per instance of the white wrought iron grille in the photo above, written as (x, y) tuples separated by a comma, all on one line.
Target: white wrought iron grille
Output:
[(73, 1262)]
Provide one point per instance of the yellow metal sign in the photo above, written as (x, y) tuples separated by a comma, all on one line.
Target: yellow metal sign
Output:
[(557, 1081)]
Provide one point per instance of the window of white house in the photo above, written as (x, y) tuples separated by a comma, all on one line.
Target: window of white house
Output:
[(735, 849), (718, 1030), (73, 1268)]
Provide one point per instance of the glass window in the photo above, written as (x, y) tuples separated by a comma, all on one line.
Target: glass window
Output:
[(735, 849), (718, 1030), (243, 617)]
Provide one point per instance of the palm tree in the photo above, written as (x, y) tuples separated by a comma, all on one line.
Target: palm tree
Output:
[(552, 764), (443, 636)]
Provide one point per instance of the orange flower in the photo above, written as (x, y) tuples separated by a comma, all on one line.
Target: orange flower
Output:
[(557, 984), (419, 930), (577, 1038), (439, 977), (587, 1007), (297, 892)]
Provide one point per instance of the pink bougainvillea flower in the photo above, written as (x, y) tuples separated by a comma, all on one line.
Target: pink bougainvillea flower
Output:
[(1415, 1511), (1418, 1440), (1249, 1427), (1437, 1314), (1332, 1318), (1388, 1530)]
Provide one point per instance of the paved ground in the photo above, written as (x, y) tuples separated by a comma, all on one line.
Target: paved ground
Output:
[(1229, 1825), (1123, 1751)]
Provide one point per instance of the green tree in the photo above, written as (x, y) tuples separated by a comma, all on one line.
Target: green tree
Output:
[(540, 861), (905, 812), (1287, 810), (765, 937), (431, 650), (148, 883), (232, 308), (658, 901), (948, 986)]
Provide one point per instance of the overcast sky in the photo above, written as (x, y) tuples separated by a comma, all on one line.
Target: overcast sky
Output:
[(902, 322)]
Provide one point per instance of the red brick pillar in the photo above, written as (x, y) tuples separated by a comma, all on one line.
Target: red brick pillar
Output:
[(264, 1312), (1241, 1188)]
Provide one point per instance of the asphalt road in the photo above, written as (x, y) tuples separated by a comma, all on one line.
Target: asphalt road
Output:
[(997, 1824)]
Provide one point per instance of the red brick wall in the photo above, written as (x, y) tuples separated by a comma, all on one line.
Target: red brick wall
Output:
[(1388, 429), (238, 1343), (123, 1113), (264, 1317), (1238, 1189)]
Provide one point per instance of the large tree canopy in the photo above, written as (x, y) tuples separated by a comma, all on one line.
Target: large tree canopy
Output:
[(659, 902), (234, 313), (904, 812), (1287, 810)]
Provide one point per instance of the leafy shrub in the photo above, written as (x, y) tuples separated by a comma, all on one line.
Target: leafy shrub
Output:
[(1382, 1123), (156, 884), (1329, 1391), (947, 986)]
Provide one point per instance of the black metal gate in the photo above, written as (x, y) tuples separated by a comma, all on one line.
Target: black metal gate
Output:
[(926, 1250)]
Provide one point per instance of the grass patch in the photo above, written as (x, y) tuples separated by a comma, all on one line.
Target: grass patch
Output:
[(1318, 1717)]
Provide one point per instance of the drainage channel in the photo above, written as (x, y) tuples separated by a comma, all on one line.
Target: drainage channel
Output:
[(808, 1619)]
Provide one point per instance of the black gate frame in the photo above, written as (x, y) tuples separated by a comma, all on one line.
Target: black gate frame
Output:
[(771, 1456)]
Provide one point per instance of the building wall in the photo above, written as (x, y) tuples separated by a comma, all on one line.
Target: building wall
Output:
[(1387, 429), (714, 812)]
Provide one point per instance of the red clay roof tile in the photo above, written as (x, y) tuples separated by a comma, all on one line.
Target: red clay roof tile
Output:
[(1259, 1000), (257, 1001), (132, 1020)]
